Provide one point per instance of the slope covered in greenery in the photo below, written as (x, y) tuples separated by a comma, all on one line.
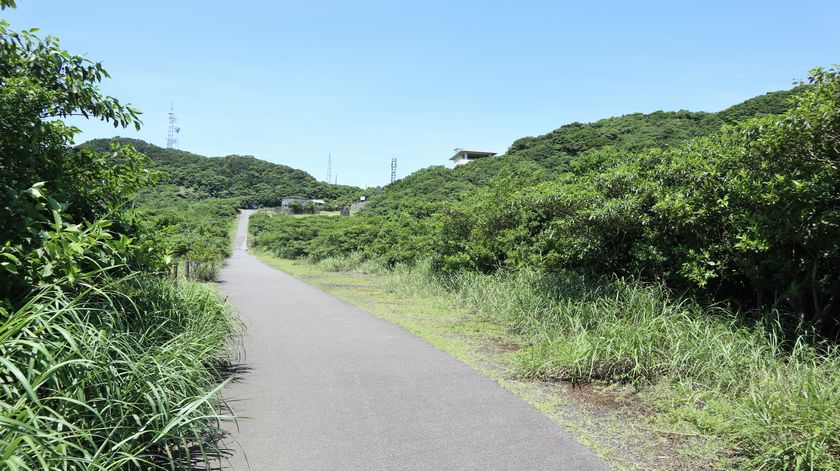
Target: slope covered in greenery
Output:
[(249, 180), (637, 131), (544, 157)]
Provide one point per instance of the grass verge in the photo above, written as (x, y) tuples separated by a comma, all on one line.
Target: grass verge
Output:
[(616, 421)]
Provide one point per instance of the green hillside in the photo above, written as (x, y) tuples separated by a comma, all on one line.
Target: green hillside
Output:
[(544, 157), (638, 131), (243, 177)]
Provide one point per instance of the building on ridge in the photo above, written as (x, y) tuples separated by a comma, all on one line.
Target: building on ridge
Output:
[(465, 156)]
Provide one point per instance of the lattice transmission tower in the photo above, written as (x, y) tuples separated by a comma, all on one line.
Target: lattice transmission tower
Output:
[(329, 168), (393, 170), (173, 129)]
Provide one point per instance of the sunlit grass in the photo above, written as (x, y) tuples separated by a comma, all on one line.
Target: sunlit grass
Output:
[(777, 403), (122, 376)]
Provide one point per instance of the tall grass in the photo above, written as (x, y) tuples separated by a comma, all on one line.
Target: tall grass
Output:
[(777, 402), (200, 271), (355, 262), (121, 376)]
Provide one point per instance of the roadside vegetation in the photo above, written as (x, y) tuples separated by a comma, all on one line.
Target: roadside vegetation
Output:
[(107, 360), (196, 232), (704, 271)]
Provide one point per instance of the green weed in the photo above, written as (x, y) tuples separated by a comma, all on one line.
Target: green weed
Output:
[(121, 376)]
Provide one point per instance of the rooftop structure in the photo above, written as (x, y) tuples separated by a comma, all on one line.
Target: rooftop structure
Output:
[(465, 156)]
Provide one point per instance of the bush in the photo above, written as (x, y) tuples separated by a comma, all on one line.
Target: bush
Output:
[(195, 232)]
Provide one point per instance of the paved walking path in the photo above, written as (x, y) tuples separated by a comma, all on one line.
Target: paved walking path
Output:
[(332, 387)]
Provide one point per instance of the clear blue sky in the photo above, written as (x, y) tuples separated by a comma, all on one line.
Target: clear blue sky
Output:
[(291, 82)]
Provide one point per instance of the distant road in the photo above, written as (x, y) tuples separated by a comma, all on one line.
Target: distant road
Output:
[(332, 387)]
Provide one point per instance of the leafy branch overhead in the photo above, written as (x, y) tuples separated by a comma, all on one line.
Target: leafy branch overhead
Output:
[(67, 83)]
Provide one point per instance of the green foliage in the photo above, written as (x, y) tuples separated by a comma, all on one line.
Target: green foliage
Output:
[(315, 237), (638, 131), (747, 214), (118, 376), (195, 232), (248, 180), (105, 361), (775, 402), (38, 81), (56, 252), (61, 207), (298, 207)]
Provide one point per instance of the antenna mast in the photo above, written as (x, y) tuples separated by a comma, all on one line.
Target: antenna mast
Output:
[(329, 168), (173, 129), (393, 170)]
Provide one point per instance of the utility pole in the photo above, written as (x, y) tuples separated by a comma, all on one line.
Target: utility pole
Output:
[(173, 129), (393, 170)]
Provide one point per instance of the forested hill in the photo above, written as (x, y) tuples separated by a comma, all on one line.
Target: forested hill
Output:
[(639, 131), (248, 179), (544, 157)]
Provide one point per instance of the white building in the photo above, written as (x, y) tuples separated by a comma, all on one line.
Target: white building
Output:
[(465, 156)]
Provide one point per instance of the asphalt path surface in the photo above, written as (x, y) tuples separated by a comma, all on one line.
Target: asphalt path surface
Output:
[(331, 387)]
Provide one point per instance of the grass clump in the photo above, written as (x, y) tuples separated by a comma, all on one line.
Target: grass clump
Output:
[(776, 402), (119, 376), (353, 262)]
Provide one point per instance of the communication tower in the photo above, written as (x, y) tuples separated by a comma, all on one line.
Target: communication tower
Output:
[(393, 170), (329, 168), (173, 129)]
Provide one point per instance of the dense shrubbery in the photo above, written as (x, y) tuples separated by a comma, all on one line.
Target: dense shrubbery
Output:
[(744, 222), (196, 232), (106, 361), (749, 214)]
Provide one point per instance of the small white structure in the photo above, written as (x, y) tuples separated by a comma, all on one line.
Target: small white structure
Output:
[(286, 201), (318, 202), (465, 156)]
